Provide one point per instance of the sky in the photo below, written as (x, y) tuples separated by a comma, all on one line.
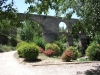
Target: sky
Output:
[(22, 7)]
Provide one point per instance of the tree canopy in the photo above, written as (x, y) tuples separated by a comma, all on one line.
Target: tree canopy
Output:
[(30, 30), (87, 10), (8, 16)]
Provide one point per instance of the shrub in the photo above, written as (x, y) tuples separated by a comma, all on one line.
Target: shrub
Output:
[(53, 47), (20, 46), (13, 42), (41, 50), (67, 56), (63, 38), (30, 52), (62, 47), (39, 41), (75, 51), (93, 51), (97, 37), (49, 53), (5, 48)]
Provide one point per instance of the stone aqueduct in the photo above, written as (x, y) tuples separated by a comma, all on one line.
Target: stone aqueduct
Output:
[(50, 26)]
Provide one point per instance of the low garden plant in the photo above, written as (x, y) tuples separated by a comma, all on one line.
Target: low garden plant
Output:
[(20, 46), (61, 46), (41, 50), (6, 48), (67, 56), (75, 51), (53, 47), (29, 51), (93, 51), (39, 41), (49, 53)]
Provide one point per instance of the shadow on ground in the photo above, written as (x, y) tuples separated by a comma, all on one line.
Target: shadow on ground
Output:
[(93, 71), (20, 59), (30, 61)]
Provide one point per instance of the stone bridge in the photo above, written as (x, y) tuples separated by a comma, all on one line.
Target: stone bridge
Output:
[(50, 26)]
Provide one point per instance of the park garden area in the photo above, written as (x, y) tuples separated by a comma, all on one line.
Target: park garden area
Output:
[(30, 46), (57, 50), (26, 36), (22, 39)]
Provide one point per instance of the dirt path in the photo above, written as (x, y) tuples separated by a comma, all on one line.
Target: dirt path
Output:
[(10, 66)]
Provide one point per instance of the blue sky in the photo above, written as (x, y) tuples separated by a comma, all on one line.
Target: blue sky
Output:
[(22, 7)]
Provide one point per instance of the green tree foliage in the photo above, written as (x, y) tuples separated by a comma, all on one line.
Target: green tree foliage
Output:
[(8, 21), (89, 13), (39, 41), (87, 10), (93, 51), (8, 16), (29, 30), (62, 29), (29, 51), (53, 47)]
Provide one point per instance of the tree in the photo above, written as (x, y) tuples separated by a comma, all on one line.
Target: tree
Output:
[(8, 16), (8, 21), (87, 10), (30, 30), (89, 17)]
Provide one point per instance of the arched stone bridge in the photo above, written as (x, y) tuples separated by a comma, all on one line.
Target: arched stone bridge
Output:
[(50, 26)]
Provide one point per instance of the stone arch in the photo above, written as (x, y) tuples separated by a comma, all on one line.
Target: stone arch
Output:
[(62, 32), (50, 25), (69, 38), (62, 27)]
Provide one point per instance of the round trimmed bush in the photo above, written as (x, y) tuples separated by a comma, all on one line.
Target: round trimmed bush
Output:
[(53, 47), (67, 56), (30, 52), (20, 46), (75, 51), (93, 51)]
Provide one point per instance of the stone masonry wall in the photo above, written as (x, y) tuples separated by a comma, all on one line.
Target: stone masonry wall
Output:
[(50, 25)]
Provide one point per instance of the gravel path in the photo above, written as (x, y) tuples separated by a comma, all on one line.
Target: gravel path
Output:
[(10, 66)]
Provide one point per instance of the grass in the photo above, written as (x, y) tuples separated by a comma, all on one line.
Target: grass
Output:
[(6, 48), (82, 59), (44, 57)]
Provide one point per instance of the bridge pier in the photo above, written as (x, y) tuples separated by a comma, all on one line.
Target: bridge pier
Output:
[(69, 40), (83, 42)]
